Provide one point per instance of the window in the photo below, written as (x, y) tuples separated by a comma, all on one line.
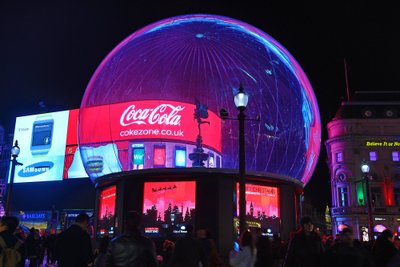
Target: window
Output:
[(339, 157), (397, 196), (373, 156), (396, 156), (376, 196), (343, 197)]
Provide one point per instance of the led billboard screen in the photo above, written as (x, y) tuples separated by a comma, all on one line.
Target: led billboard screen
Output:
[(168, 206), (42, 140), (106, 215), (262, 206)]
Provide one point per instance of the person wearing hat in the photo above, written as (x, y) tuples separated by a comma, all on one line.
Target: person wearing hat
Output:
[(305, 247), (347, 252)]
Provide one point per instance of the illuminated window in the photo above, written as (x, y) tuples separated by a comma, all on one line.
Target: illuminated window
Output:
[(397, 196), (376, 196), (343, 196), (159, 156), (339, 156), (373, 156), (396, 156)]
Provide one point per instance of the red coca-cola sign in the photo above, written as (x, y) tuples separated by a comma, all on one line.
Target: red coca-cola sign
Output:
[(166, 114), (150, 119)]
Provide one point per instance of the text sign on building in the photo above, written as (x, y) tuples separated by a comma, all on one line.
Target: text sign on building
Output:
[(387, 143)]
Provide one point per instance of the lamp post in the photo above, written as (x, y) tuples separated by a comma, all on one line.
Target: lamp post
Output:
[(14, 154), (365, 170), (241, 99)]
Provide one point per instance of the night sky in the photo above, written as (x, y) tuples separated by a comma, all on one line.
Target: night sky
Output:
[(49, 51)]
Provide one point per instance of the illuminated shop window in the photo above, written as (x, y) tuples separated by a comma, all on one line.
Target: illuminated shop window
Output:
[(339, 157), (159, 156), (343, 196), (373, 156), (397, 196), (376, 196), (180, 156), (396, 156)]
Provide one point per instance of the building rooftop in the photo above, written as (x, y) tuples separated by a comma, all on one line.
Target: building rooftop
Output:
[(371, 105)]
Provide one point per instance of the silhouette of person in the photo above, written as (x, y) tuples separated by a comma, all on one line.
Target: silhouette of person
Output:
[(131, 248)]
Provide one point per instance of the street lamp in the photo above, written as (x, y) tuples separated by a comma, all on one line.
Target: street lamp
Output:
[(14, 154), (365, 170), (241, 99)]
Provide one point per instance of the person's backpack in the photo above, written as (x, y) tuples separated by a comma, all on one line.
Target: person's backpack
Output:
[(9, 256)]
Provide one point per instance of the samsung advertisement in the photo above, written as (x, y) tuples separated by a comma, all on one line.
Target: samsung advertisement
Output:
[(42, 139)]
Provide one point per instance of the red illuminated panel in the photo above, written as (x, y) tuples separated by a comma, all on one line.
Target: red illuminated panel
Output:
[(261, 201), (72, 134), (169, 202), (107, 203), (151, 119), (159, 156)]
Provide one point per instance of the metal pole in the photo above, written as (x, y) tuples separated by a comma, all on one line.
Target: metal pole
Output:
[(10, 185), (242, 172), (369, 208)]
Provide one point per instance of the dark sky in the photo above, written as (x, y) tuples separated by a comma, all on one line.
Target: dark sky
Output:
[(49, 50)]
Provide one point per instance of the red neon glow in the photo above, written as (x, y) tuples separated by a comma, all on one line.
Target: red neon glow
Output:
[(163, 195), (72, 133), (150, 119), (261, 201), (107, 203)]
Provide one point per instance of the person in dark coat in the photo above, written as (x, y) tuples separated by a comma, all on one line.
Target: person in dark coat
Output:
[(348, 252), (131, 249), (188, 251), (33, 248), (8, 224), (305, 247), (384, 249), (73, 246)]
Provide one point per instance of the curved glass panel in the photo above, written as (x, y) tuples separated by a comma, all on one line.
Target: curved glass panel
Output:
[(206, 57)]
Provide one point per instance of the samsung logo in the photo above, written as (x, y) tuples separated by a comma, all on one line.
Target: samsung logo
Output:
[(36, 169)]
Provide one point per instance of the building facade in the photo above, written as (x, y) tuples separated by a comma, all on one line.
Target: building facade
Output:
[(365, 130)]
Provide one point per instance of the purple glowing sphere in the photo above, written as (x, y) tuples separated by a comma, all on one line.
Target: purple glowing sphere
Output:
[(207, 57)]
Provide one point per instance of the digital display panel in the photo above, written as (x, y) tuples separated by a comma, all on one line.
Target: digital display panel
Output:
[(42, 142), (159, 156), (138, 156), (180, 156), (168, 206), (262, 206), (106, 213)]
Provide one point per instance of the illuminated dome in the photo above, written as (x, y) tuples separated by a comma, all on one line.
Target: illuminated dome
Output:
[(206, 57)]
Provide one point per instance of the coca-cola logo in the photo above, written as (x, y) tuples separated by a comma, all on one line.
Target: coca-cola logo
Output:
[(166, 114)]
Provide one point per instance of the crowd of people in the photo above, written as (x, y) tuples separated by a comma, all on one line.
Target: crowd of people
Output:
[(306, 248)]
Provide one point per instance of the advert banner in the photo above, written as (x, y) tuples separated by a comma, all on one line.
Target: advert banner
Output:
[(152, 119)]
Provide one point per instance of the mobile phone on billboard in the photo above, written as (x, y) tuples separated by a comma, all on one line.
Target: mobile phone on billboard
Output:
[(42, 134)]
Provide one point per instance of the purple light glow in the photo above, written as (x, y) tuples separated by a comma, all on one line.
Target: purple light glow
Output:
[(206, 57)]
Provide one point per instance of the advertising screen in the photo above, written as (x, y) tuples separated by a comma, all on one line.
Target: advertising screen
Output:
[(262, 206), (168, 206), (42, 140), (106, 219)]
